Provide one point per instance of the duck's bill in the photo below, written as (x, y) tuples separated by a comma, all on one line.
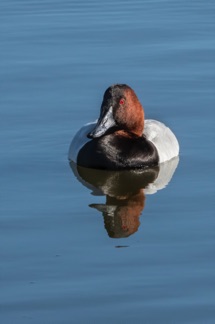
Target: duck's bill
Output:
[(104, 123)]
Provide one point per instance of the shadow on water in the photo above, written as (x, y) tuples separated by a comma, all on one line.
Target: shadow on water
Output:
[(125, 193)]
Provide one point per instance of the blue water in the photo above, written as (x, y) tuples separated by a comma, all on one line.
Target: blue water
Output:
[(58, 263)]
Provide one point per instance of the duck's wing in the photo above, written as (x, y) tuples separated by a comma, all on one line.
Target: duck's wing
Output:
[(79, 140), (162, 138)]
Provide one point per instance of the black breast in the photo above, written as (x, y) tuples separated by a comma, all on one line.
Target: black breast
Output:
[(116, 152)]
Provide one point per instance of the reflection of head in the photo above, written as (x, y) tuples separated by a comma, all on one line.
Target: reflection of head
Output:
[(121, 216)]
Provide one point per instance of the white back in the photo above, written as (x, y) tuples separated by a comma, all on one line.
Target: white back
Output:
[(162, 138)]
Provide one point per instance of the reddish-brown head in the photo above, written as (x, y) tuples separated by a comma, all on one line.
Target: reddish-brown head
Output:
[(128, 111), (120, 109)]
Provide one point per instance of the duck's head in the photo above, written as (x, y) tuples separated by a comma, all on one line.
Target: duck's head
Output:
[(120, 110)]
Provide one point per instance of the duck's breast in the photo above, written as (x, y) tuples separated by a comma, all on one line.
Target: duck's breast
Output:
[(163, 139)]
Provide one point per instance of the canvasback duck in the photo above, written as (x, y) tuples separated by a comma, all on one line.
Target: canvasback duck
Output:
[(121, 138)]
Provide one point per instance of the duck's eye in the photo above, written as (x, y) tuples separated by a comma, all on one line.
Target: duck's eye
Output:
[(122, 101)]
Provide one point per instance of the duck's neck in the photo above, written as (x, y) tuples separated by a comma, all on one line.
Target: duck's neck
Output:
[(135, 114), (137, 122)]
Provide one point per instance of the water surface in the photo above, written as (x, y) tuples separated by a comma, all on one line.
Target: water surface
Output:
[(58, 263)]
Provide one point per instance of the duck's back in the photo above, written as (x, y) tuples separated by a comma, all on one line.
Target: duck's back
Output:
[(163, 139)]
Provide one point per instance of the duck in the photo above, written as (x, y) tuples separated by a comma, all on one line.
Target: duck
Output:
[(121, 138)]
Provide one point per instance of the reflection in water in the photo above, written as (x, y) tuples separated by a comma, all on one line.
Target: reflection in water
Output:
[(121, 216), (125, 193)]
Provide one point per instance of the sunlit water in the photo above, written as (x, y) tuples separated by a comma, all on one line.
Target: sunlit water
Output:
[(70, 252)]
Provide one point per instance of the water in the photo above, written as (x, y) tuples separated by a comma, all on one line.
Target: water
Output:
[(58, 263)]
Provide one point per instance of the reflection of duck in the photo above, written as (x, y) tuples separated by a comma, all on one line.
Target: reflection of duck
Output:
[(125, 193), (121, 184), (121, 139)]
